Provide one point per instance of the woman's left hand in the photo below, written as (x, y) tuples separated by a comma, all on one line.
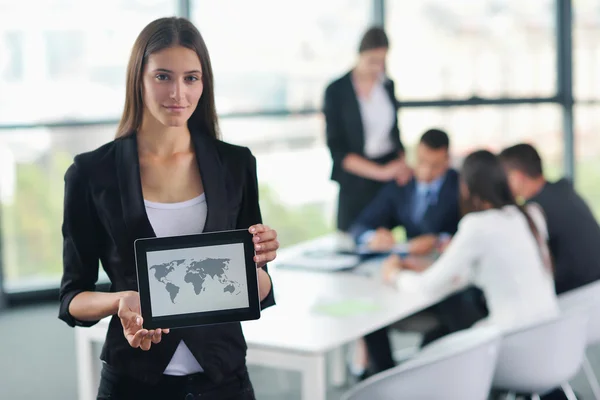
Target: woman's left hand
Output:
[(265, 244), (390, 269)]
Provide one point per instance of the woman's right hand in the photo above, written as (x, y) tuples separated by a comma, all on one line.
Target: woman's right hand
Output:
[(390, 268), (129, 313), (390, 170)]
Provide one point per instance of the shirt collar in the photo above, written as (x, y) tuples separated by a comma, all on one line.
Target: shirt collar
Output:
[(433, 186)]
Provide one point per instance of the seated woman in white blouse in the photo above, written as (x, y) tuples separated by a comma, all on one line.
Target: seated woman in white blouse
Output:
[(499, 246)]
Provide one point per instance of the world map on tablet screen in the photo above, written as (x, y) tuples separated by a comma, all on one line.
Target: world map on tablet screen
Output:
[(197, 279), (196, 273)]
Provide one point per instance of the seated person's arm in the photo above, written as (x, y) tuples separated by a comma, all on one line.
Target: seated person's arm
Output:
[(380, 239), (451, 268), (379, 216), (422, 244), (427, 243)]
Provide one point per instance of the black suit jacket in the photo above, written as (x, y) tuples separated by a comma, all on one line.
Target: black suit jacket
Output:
[(104, 213), (574, 235), (345, 133), (393, 206)]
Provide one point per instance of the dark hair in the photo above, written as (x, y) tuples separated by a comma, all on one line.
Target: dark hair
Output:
[(435, 139), (485, 178), (523, 157), (156, 36), (374, 38)]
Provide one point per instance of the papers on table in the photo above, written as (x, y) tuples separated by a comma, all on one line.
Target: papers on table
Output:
[(322, 260), (329, 260)]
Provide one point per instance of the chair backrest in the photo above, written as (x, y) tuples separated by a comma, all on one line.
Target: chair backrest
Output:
[(458, 366), (538, 358), (588, 295)]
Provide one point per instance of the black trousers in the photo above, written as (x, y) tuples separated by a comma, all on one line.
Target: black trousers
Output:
[(115, 386), (457, 312)]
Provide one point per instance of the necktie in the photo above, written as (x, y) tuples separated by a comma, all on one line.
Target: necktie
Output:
[(423, 201)]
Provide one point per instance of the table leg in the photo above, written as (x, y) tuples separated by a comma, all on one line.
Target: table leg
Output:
[(314, 382), (337, 366), (311, 366), (88, 365), (87, 373)]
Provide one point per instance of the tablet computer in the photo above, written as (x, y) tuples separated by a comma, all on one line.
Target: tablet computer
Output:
[(200, 279)]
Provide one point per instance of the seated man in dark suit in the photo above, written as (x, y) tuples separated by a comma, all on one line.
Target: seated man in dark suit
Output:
[(574, 234), (428, 208)]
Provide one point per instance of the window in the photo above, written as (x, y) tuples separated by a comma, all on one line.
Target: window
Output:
[(291, 157), (70, 64), (492, 128), (586, 90), (587, 149), (443, 49), (586, 49), (294, 165), (32, 167), (11, 57), (274, 55)]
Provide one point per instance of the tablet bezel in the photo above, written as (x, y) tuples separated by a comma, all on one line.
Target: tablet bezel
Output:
[(145, 245)]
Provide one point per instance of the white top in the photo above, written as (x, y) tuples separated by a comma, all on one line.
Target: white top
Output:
[(173, 219), (496, 250), (378, 115)]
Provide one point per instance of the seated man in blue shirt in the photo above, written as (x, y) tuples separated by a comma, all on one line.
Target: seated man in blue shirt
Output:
[(428, 208)]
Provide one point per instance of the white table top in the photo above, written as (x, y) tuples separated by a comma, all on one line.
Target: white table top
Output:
[(293, 325)]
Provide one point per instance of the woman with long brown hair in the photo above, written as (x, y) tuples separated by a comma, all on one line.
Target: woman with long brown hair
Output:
[(165, 174)]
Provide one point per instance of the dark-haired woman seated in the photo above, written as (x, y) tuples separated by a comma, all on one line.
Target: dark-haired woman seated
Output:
[(499, 246)]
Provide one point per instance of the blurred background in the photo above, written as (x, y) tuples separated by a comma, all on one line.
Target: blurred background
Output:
[(489, 72)]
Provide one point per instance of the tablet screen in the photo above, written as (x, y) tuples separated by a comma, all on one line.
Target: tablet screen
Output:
[(197, 279)]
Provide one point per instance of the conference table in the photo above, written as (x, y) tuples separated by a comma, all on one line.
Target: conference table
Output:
[(309, 326)]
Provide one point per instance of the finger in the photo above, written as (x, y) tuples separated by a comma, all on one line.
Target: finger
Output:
[(137, 338), (387, 273), (258, 228), (157, 337), (266, 236), (147, 340), (265, 258), (146, 343), (271, 245), (166, 331)]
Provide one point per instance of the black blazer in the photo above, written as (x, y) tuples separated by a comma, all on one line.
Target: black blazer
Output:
[(393, 207), (345, 133), (104, 213)]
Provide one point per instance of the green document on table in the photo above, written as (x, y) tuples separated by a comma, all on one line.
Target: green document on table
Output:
[(346, 308)]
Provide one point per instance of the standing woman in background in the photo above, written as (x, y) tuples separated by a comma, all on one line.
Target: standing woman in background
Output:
[(362, 130), (165, 174)]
